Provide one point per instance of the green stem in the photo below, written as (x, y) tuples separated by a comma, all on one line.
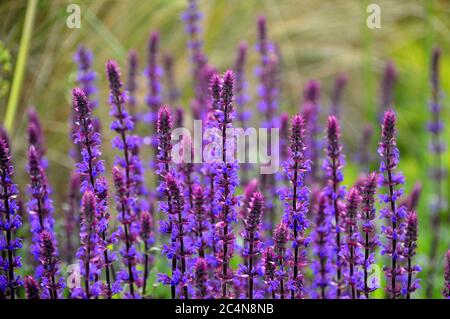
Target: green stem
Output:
[(20, 65)]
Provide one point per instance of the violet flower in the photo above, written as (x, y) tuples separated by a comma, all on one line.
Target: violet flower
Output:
[(91, 168), (253, 244), (241, 85), (339, 85), (351, 250), (225, 182), (154, 73), (333, 172), (91, 248), (192, 17), (280, 239), (201, 278), (311, 112), (127, 233), (179, 247), (146, 235), (269, 268), (86, 77), (32, 289), (411, 284), (9, 224), (132, 85), (200, 223), (323, 243), (295, 199), (393, 213), (40, 207), (437, 147), (173, 94), (369, 240), (387, 87), (35, 135)]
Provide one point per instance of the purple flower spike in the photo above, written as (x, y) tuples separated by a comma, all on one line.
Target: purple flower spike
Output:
[(86, 77), (127, 233), (438, 171), (132, 84), (370, 240), (411, 284), (323, 242), (387, 86), (393, 213), (35, 135), (154, 73), (201, 278), (91, 168), (147, 237), (446, 291), (351, 250), (311, 112), (253, 244), (336, 99), (10, 222), (281, 238), (295, 199), (32, 289), (333, 172), (50, 264), (164, 131), (179, 246), (269, 268), (173, 94), (200, 225)]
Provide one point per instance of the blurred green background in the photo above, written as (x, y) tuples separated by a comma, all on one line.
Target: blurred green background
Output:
[(318, 39)]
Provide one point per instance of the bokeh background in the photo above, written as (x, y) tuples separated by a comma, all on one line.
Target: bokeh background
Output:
[(317, 39)]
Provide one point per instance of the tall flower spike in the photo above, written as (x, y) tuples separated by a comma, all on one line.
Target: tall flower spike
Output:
[(351, 252), (35, 135), (226, 180), (127, 233), (10, 222), (86, 76), (32, 289), (438, 174), (323, 245), (336, 99), (148, 239), (311, 112), (164, 131), (201, 278), (199, 220), (410, 284), (269, 267), (50, 264), (387, 86), (336, 193), (132, 84), (295, 199), (40, 207), (91, 168), (393, 213), (173, 94), (179, 246), (369, 238), (153, 73), (446, 291), (253, 244), (281, 238)]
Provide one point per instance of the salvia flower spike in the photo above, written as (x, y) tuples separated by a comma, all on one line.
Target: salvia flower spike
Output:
[(32, 289), (253, 244), (9, 224), (437, 147), (295, 199), (91, 168), (333, 171), (281, 238), (392, 212), (411, 283), (369, 238)]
